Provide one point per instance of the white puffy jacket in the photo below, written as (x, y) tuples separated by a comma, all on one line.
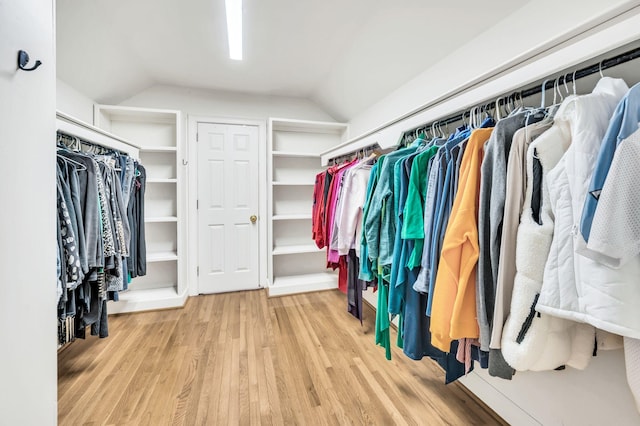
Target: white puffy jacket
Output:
[(577, 287), (573, 284)]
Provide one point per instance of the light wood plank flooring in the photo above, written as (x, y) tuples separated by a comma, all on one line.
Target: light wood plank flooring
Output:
[(241, 358)]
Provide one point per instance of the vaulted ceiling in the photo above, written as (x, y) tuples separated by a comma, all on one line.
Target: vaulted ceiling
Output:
[(344, 55)]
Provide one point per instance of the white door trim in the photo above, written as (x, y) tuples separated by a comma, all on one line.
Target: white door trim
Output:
[(192, 195)]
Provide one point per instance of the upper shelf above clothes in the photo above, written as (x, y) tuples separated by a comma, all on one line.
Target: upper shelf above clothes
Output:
[(529, 69), (72, 126)]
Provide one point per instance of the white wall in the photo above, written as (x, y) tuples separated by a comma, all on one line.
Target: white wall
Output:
[(532, 28), (214, 103), (197, 102), (74, 103), (28, 370)]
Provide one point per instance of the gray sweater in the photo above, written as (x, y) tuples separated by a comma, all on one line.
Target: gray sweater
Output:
[(490, 215)]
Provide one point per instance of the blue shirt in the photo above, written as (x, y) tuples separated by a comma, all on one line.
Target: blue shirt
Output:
[(440, 208), (623, 124), (379, 225)]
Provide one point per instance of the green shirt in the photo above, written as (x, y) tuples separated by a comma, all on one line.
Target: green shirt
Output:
[(413, 226)]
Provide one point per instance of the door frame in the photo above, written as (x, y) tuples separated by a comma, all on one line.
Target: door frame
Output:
[(192, 195)]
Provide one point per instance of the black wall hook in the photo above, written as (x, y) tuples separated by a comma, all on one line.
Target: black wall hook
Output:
[(23, 60)]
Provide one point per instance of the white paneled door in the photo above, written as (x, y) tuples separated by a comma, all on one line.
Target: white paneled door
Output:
[(227, 207)]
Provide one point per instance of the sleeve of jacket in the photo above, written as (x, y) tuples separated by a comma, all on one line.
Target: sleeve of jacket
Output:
[(484, 274), (453, 314), (373, 220)]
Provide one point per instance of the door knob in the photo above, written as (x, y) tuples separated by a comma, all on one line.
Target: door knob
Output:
[(253, 218)]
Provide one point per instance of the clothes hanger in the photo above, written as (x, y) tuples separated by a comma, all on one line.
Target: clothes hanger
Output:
[(74, 162), (70, 142), (558, 89), (600, 68), (574, 82), (374, 155), (511, 103), (543, 96), (497, 109), (519, 100)]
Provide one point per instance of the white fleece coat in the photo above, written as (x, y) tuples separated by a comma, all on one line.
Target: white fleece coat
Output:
[(531, 341)]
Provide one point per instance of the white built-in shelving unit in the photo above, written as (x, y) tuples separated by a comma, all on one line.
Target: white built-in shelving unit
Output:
[(296, 265), (158, 132)]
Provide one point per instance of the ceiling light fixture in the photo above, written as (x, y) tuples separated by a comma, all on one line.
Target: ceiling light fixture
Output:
[(234, 28)]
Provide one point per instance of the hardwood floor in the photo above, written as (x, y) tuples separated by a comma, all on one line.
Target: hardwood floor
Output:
[(241, 358)]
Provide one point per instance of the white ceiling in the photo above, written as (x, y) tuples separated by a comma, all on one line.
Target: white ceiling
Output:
[(345, 55)]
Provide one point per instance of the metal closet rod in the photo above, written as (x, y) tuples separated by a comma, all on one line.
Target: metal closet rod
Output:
[(366, 150), (581, 73), (86, 142)]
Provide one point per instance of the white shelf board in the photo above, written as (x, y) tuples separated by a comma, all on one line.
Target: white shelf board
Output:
[(162, 180), (145, 300), (162, 256), (303, 183), (291, 216), (288, 125), (160, 219), (70, 125), (125, 113), (294, 154), (302, 248), (294, 284), (158, 149)]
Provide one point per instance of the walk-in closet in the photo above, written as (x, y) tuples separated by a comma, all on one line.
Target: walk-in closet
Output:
[(242, 212)]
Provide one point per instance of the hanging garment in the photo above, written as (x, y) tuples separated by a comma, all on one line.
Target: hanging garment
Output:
[(90, 209), (334, 260), (537, 341), (135, 212), (94, 193), (615, 231), (608, 295), (573, 284), (529, 341), (490, 216), (413, 214), (355, 286), (440, 210), (453, 315), (436, 215), (368, 266), (350, 215), (397, 279), (421, 284), (514, 202), (447, 176), (333, 205), (379, 227), (623, 123), (73, 270), (316, 213), (396, 294)]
